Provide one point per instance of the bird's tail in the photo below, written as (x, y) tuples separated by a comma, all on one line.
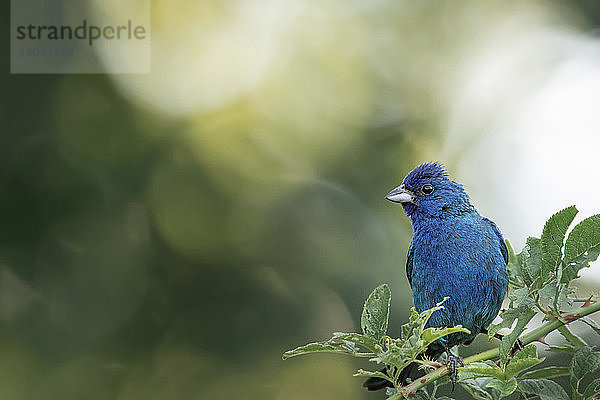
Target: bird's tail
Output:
[(411, 371)]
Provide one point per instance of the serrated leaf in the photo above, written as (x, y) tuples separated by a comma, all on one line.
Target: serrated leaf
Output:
[(485, 372), (374, 319), (547, 372), (593, 389), (573, 339), (504, 387), (482, 369), (553, 237), (515, 277), (477, 388), (430, 335), (562, 299), (356, 338), (465, 373), (529, 351), (372, 374), (531, 262), (521, 361), (405, 331), (323, 347), (582, 247), (548, 292), (544, 388), (521, 297), (522, 315), (555, 295), (585, 360), (571, 270), (508, 317), (414, 315), (583, 237)]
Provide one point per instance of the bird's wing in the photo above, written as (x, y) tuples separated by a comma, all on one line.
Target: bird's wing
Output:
[(503, 248), (409, 264)]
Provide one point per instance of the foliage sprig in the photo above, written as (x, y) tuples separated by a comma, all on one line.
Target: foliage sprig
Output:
[(541, 278)]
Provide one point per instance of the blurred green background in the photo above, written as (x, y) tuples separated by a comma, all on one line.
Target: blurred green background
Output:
[(168, 236)]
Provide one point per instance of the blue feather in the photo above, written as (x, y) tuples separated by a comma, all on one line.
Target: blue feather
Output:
[(454, 253)]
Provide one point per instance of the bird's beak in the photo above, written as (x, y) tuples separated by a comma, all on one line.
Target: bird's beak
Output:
[(400, 195)]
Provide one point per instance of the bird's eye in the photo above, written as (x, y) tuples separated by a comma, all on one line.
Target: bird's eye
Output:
[(427, 189)]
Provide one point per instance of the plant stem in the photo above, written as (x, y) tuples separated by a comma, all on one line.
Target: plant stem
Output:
[(532, 336)]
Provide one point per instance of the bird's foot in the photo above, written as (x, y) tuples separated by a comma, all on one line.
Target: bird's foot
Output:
[(453, 363)]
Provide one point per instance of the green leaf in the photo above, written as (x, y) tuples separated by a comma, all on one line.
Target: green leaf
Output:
[(512, 257), (374, 319), (358, 339), (573, 339), (505, 387), (548, 292), (481, 368), (325, 347), (521, 361), (583, 237), (406, 329), (529, 351), (399, 357), (582, 247), (593, 389), (372, 374), (341, 343), (556, 295), (591, 323), (531, 261), (430, 335), (572, 269), (479, 390), (508, 341), (553, 237), (523, 315), (521, 297), (547, 372), (585, 360), (544, 388), (508, 317)]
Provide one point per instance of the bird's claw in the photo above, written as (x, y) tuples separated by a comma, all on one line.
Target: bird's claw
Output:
[(453, 362)]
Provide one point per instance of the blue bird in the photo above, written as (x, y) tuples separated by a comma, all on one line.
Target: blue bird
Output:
[(454, 253)]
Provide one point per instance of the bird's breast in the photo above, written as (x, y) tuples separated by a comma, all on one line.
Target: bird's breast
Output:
[(461, 261)]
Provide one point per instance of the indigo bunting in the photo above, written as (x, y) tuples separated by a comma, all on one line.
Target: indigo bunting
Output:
[(454, 253)]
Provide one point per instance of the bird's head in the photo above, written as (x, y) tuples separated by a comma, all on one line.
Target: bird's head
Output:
[(428, 192)]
